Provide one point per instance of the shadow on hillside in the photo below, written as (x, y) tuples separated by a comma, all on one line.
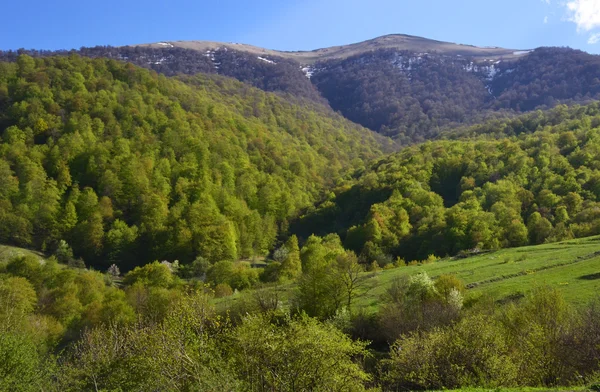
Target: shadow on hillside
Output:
[(590, 277), (351, 207)]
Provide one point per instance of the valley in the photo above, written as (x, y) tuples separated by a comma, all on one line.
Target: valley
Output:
[(395, 214)]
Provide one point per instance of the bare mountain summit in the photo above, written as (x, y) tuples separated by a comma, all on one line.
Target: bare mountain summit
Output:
[(399, 42)]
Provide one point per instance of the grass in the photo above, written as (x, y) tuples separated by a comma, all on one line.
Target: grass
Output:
[(519, 389), (571, 266), (9, 252)]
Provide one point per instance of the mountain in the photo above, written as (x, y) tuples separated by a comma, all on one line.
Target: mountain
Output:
[(414, 96), (119, 161), (408, 88), (176, 189), (399, 42)]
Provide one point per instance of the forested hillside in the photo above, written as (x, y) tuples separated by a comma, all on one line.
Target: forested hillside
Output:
[(127, 166), (409, 94), (444, 197), (147, 196), (414, 96), (269, 73), (403, 95)]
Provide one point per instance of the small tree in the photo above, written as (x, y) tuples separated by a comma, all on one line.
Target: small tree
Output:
[(291, 265), (64, 253), (348, 271), (296, 355), (114, 271)]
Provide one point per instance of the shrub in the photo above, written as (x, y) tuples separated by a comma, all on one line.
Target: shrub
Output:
[(238, 275), (474, 352), (223, 290), (154, 274)]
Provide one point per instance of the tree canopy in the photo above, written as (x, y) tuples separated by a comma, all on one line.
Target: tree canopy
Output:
[(127, 166)]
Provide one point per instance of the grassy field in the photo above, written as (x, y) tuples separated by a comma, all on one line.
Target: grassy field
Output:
[(8, 252), (517, 390), (571, 266)]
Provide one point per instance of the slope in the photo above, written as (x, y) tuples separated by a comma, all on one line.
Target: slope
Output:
[(409, 88), (572, 267), (414, 96), (444, 197), (128, 166)]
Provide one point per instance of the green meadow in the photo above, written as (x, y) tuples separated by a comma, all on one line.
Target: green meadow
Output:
[(571, 266)]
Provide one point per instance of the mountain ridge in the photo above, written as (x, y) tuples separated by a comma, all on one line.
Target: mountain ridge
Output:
[(405, 87), (402, 42)]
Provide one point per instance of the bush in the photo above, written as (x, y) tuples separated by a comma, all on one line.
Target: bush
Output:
[(238, 275), (474, 352), (444, 284), (64, 253), (223, 290), (300, 354), (197, 269), (20, 364), (155, 274)]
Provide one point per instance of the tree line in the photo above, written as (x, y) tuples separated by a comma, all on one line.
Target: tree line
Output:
[(408, 96)]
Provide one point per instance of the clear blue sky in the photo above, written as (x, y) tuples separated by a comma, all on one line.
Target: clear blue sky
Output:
[(299, 25)]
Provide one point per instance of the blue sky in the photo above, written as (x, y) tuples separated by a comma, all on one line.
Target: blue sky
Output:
[(299, 25)]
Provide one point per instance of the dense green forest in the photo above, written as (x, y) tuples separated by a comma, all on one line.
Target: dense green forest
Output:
[(444, 197), (127, 166), (407, 95), (148, 197), (273, 74)]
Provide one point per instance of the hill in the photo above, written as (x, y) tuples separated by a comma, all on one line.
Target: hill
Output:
[(409, 88), (10, 252), (446, 196), (415, 96), (572, 267), (128, 166)]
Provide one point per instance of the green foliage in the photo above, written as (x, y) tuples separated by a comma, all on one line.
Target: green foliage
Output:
[(63, 252), (127, 166), (177, 353), (187, 350), (291, 265), (297, 354), (223, 290), (21, 365), (74, 331), (444, 197), (152, 275), (320, 291), (239, 275), (18, 296), (540, 327), (470, 353)]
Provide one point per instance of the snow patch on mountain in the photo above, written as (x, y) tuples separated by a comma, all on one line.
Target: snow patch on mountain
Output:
[(266, 60), (407, 64), (308, 71)]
